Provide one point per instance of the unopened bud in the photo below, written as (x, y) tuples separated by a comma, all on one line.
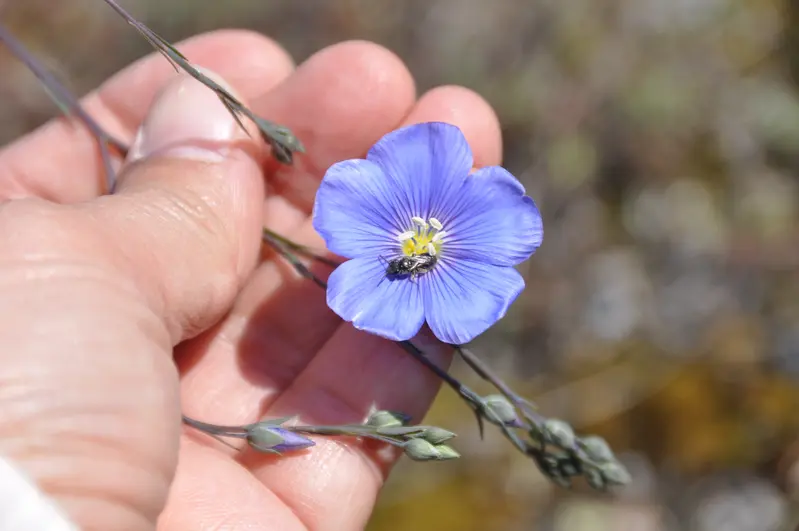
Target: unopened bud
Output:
[(422, 450), (447, 452), (435, 435), (597, 449), (387, 419), (614, 473), (595, 479), (559, 433), (273, 439), (569, 468), (503, 410), (561, 480), (431, 434)]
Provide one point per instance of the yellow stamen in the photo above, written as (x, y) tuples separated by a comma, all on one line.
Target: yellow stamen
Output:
[(426, 239)]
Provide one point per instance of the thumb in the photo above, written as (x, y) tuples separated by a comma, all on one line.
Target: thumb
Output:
[(188, 210)]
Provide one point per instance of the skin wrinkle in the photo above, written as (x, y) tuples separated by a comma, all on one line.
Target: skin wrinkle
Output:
[(55, 281), (191, 506), (299, 507), (88, 510), (118, 498), (104, 449), (329, 450), (187, 210), (378, 120)]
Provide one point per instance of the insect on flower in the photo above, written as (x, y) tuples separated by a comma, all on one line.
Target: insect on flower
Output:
[(411, 265), (452, 235)]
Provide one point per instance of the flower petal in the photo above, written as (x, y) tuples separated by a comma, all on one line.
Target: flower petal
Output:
[(427, 164), (494, 221), (462, 299), (359, 292), (355, 210)]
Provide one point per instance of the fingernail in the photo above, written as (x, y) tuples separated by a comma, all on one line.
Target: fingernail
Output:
[(187, 121)]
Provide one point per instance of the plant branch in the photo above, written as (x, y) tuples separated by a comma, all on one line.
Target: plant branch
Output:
[(552, 444), (283, 142), (66, 102)]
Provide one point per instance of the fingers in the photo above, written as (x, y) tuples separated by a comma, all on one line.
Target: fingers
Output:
[(296, 317), (188, 208), (212, 491), (339, 103), (280, 321), (61, 162), (466, 109), (354, 370), (95, 295)]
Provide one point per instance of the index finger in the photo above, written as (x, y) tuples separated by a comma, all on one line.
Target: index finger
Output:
[(61, 160)]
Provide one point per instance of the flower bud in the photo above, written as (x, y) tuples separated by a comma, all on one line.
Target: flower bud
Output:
[(614, 473), (447, 452), (503, 410), (597, 449), (405, 432), (422, 450), (559, 433), (595, 479), (562, 481), (568, 467), (273, 439), (387, 419), (435, 435)]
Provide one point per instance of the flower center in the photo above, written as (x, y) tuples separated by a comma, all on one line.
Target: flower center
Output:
[(425, 238)]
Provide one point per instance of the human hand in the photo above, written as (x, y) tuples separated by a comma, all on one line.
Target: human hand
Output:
[(120, 311)]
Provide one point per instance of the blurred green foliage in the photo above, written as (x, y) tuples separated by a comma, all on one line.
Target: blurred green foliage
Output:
[(661, 141)]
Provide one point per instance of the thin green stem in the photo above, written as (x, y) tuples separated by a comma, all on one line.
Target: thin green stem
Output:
[(66, 102), (301, 249), (482, 370), (239, 432), (284, 143), (346, 431)]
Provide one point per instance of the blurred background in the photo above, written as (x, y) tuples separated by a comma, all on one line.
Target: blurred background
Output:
[(660, 139)]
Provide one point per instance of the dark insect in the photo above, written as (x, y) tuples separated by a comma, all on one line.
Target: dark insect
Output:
[(410, 265)]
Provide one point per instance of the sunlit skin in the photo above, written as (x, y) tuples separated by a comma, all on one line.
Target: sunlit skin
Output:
[(227, 341)]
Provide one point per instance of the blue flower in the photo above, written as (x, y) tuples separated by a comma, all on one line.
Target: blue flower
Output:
[(427, 240)]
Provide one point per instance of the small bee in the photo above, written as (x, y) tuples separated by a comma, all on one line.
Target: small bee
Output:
[(411, 265)]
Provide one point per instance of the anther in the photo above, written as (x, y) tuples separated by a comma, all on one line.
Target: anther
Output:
[(407, 235), (419, 221), (431, 249), (435, 224), (438, 235)]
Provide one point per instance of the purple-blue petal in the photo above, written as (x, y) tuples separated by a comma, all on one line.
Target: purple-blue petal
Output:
[(463, 298), (355, 210), (291, 441), (359, 292), (426, 164), (494, 221)]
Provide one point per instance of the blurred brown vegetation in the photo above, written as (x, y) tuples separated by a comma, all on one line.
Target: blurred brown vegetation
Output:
[(660, 139)]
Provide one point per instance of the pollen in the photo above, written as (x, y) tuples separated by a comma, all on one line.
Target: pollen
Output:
[(424, 236)]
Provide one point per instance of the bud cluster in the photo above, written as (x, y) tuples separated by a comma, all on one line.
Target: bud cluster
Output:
[(559, 453), (420, 443), (552, 444)]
